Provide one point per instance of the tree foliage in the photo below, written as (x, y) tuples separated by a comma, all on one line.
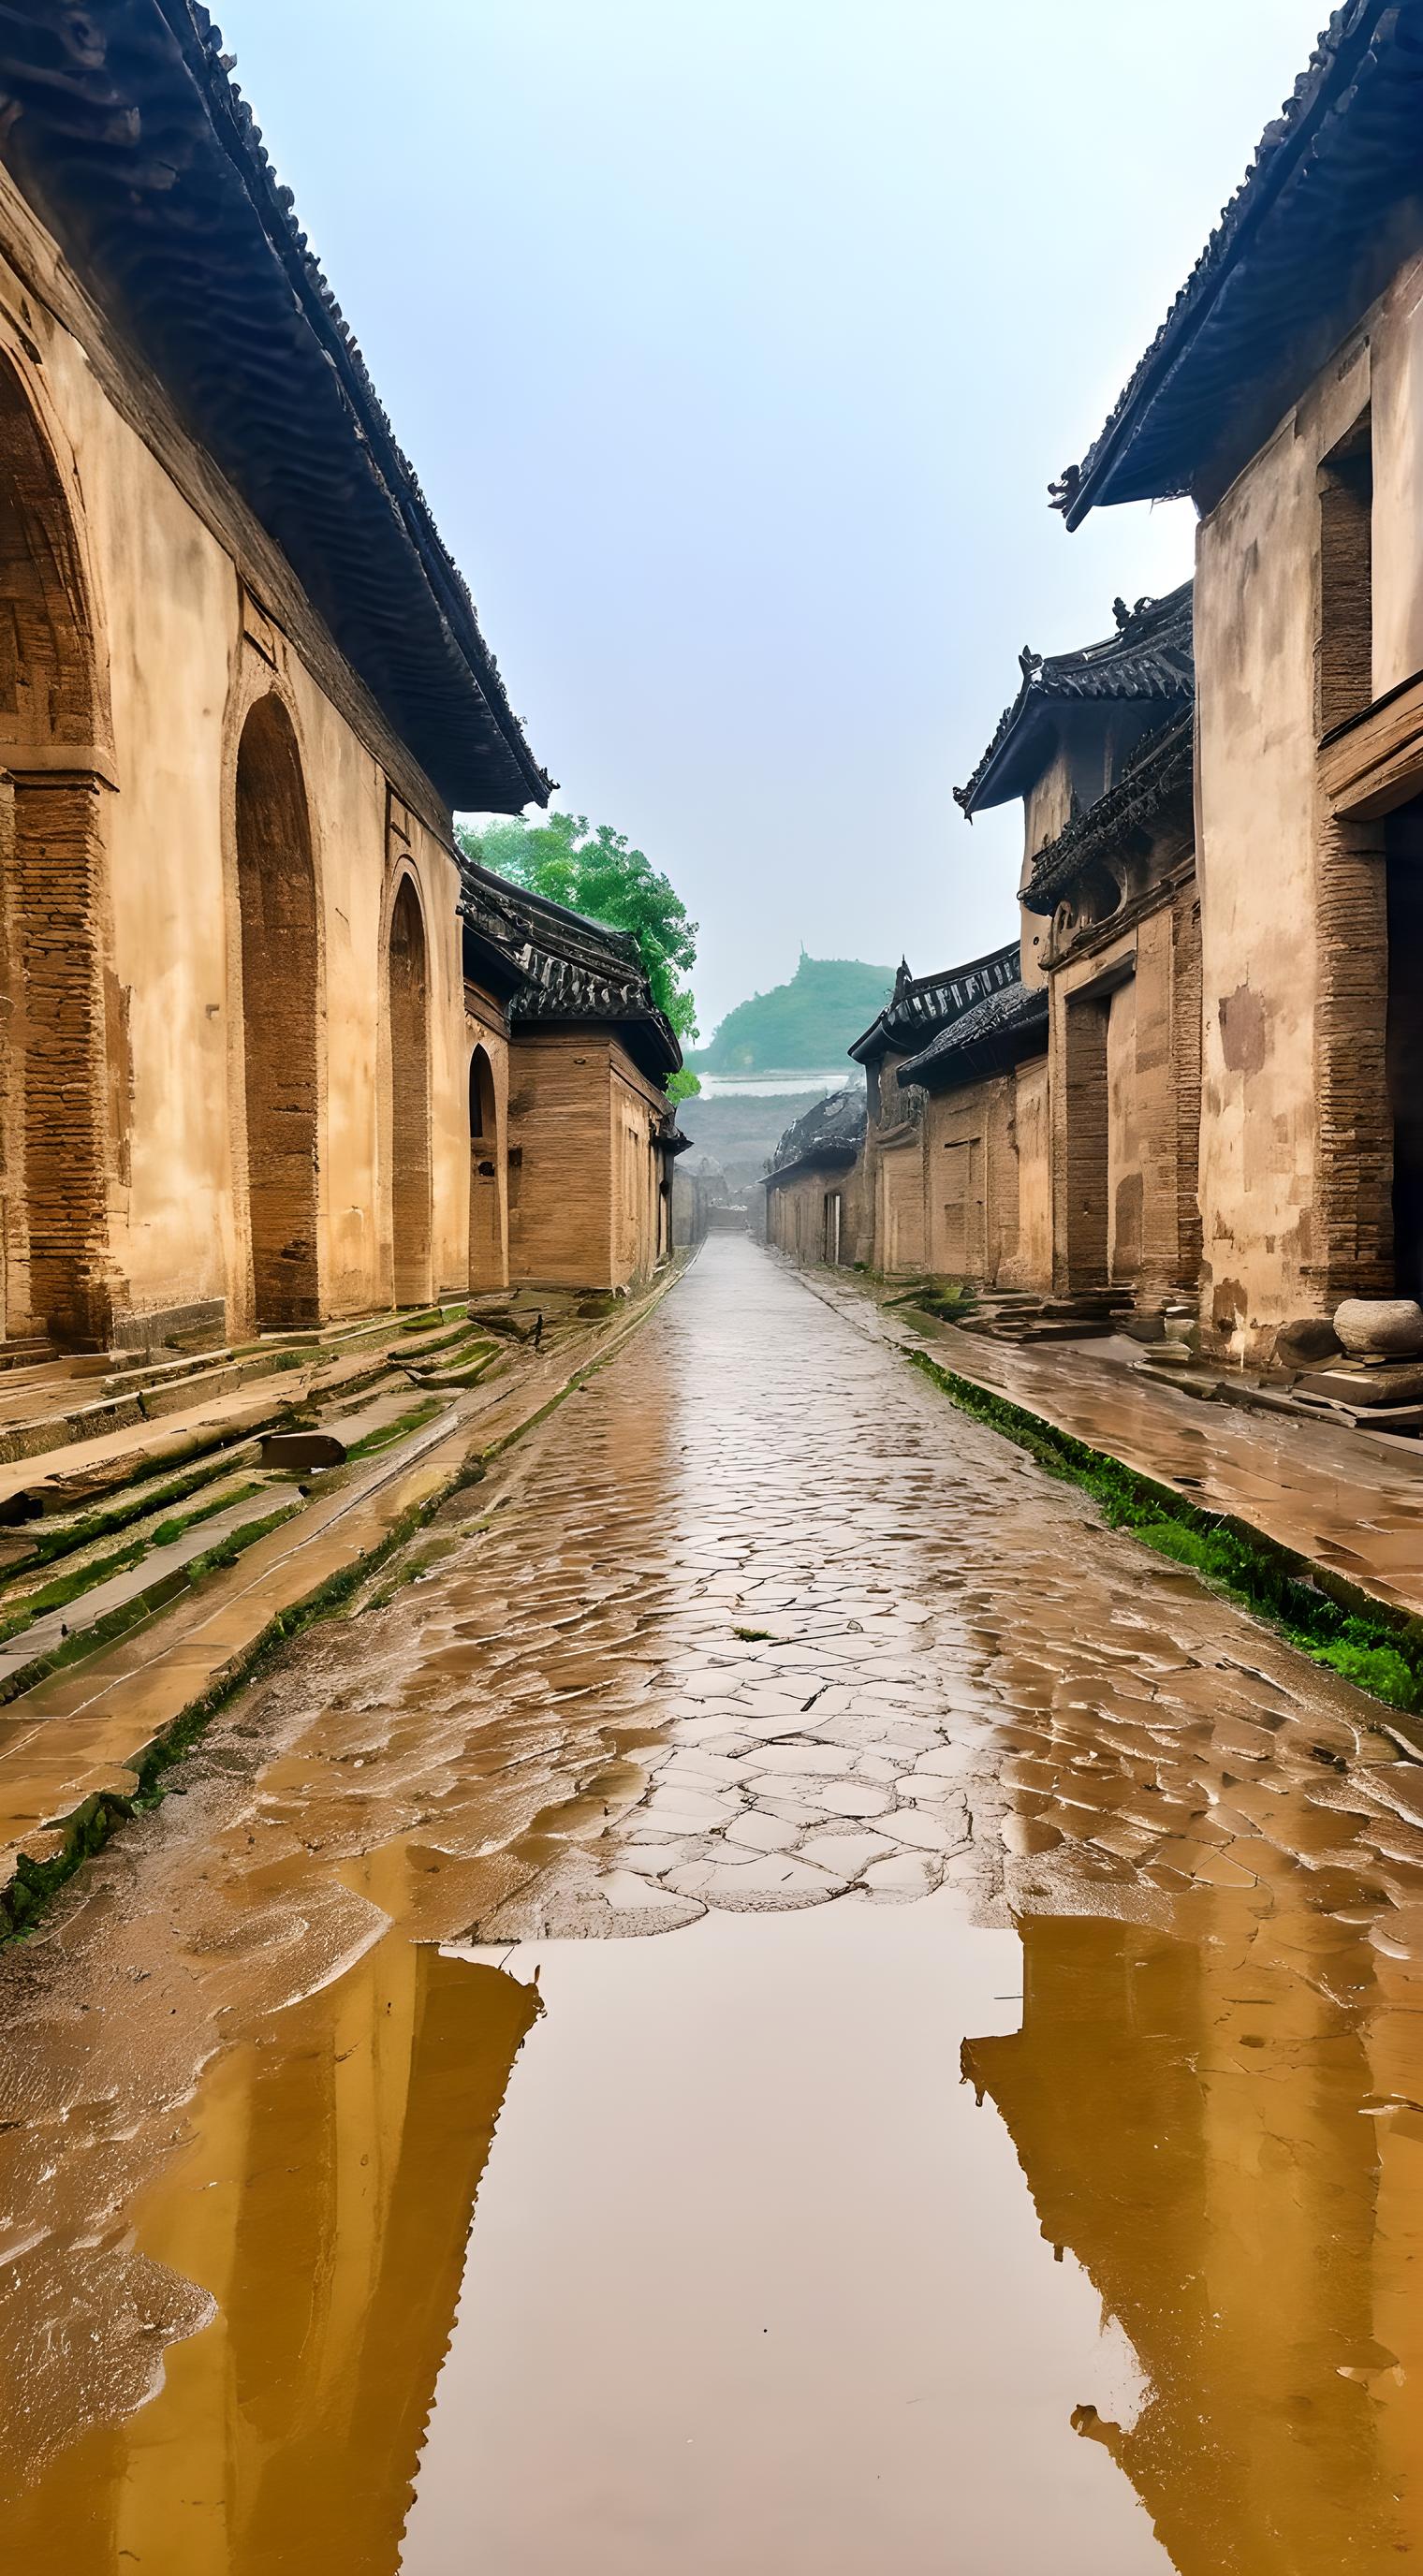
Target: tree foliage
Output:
[(596, 871)]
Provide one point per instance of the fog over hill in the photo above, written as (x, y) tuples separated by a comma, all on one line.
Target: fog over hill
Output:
[(804, 1025)]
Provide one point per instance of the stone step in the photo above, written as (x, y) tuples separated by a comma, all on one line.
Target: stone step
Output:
[(136, 1377), (23, 1353), (132, 1592), (455, 1373)]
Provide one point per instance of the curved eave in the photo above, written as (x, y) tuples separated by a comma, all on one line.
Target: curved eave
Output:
[(1306, 233), (824, 1158), (999, 1050), (1011, 767), (125, 133), (1155, 783)]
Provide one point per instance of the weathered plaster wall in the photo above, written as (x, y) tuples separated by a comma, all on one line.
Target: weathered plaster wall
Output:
[(1032, 1265), (1255, 619), (796, 1213), (485, 1026), (181, 662), (1394, 387)]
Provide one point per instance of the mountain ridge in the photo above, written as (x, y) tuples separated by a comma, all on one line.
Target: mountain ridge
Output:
[(807, 1024)]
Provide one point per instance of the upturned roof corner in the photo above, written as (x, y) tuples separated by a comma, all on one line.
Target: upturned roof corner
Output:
[(1150, 657)]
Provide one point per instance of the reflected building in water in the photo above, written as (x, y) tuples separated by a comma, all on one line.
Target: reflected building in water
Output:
[(324, 2200), (1225, 2133)]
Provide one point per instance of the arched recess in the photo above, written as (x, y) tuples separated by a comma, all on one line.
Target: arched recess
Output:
[(408, 978), (58, 1138), (486, 1221), (276, 888)]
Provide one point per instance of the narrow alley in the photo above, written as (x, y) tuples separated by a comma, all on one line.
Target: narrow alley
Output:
[(1021, 1905)]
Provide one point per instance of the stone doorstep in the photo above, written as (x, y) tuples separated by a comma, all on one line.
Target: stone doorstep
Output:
[(92, 1724)]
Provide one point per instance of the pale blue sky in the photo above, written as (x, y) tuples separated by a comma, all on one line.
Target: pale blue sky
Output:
[(735, 342)]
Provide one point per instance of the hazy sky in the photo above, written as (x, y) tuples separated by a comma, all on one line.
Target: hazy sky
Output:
[(735, 342)]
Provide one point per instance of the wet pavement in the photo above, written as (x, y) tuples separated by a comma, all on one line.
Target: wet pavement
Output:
[(1011, 2155)]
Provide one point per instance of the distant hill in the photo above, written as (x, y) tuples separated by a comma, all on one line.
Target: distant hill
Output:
[(807, 1023)]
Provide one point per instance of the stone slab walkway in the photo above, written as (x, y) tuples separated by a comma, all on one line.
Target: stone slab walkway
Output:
[(1339, 1498)]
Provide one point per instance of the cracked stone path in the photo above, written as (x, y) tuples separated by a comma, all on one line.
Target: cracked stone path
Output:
[(757, 1644)]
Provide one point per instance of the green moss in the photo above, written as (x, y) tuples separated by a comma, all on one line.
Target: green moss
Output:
[(168, 1531), (1381, 1670), (392, 1431), (1379, 1650), (68, 1587), (134, 1505)]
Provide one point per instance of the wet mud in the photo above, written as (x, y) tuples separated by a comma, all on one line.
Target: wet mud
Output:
[(1034, 2037)]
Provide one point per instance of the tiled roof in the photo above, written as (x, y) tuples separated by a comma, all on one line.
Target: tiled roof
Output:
[(1158, 776), (833, 1130), (565, 967), (999, 1031), (1149, 658), (126, 132), (1327, 211), (920, 1004)]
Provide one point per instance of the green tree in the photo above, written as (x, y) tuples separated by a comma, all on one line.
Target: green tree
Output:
[(597, 872)]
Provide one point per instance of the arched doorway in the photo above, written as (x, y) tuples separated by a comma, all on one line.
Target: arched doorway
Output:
[(486, 1230), (56, 1137), (409, 1100), (276, 887)]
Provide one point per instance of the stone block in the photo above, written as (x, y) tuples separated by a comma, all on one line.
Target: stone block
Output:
[(1391, 1327), (1306, 1341), (1390, 1385), (300, 1450)]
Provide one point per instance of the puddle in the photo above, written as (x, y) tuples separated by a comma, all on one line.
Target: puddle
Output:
[(755, 2283)]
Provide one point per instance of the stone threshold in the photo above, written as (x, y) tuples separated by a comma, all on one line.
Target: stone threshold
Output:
[(86, 1744)]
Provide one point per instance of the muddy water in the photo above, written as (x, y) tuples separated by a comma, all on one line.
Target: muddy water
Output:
[(1011, 2155)]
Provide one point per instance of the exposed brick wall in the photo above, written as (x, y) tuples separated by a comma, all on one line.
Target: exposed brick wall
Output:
[(590, 1207), (1186, 1007), (797, 1220), (1351, 1250), (58, 1051), (280, 973), (487, 1266), (1080, 1252), (1344, 654), (409, 1101)]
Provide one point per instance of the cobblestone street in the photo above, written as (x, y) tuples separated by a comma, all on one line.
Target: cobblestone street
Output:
[(924, 1775)]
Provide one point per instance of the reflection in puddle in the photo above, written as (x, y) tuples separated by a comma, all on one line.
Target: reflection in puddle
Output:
[(1225, 2133), (755, 2284), (322, 2202)]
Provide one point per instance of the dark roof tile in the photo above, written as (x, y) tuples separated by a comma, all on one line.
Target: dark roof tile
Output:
[(1149, 658)]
